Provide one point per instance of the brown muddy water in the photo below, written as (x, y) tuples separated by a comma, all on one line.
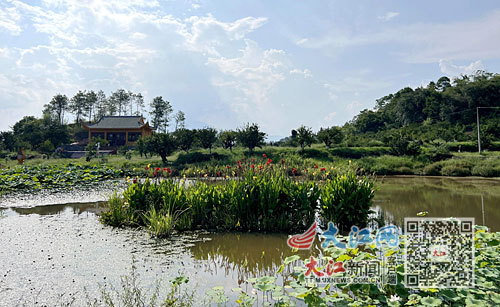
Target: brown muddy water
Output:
[(55, 254)]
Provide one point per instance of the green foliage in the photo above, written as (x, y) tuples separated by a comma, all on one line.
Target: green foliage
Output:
[(305, 136), (162, 144), (132, 294), (207, 137), (184, 138), (265, 200), (117, 213), (346, 200), (329, 136), (160, 113), (359, 152), (402, 144), (250, 136), (228, 139), (390, 165), (54, 176)]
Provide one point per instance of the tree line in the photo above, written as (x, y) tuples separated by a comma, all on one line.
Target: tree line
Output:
[(444, 109)]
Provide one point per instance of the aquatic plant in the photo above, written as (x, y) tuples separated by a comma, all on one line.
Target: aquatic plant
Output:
[(29, 178), (346, 200)]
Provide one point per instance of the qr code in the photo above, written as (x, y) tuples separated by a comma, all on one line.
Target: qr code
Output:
[(439, 252)]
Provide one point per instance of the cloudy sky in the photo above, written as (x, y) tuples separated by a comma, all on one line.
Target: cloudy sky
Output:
[(280, 64)]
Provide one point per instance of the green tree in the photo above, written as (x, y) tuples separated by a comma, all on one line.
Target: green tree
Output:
[(249, 136), (100, 105), (77, 105), (160, 113), (228, 139), (57, 106), (184, 138), (138, 100), (329, 136), (207, 137), (29, 131), (121, 100), (179, 118), (162, 144), (7, 140), (305, 137), (90, 103)]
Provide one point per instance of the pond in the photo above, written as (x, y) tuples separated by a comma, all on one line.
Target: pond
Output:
[(57, 253)]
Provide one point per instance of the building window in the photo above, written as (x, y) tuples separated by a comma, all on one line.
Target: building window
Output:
[(133, 136)]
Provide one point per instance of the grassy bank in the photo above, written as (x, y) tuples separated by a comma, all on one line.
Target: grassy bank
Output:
[(314, 163)]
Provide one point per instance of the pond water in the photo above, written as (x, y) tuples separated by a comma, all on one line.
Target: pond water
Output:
[(59, 253)]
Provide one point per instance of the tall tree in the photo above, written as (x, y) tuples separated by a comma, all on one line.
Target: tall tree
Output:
[(100, 106), (120, 99), (138, 100), (250, 136), (179, 118), (90, 102), (77, 105), (160, 113), (57, 106)]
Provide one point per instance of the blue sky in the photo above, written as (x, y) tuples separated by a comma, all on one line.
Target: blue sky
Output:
[(280, 64)]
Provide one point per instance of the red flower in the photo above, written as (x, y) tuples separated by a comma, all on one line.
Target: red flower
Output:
[(267, 163), (316, 166), (323, 169), (228, 166), (157, 169), (164, 170), (147, 167), (260, 166), (239, 162), (252, 166), (264, 155), (294, 171), (282, 161), (134, 180), (253, 159), (154, 173)]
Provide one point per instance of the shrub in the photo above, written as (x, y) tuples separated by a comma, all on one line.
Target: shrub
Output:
[(456, 169), (117, 214), (433, 169), (359, 152), (486, 168)]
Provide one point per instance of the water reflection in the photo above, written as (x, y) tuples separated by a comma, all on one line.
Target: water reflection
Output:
[(77, 208), (249, 254), (404, 197)]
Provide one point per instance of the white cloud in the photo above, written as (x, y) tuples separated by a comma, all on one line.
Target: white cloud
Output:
[(306, 73), (450, 69), (388, 16), (208, 35), (421, 42), (9, 18)]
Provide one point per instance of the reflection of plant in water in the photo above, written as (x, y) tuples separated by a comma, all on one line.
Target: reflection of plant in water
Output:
[(250, 254)]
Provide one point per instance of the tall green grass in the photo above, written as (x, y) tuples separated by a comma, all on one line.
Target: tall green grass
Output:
[(266, 201)]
